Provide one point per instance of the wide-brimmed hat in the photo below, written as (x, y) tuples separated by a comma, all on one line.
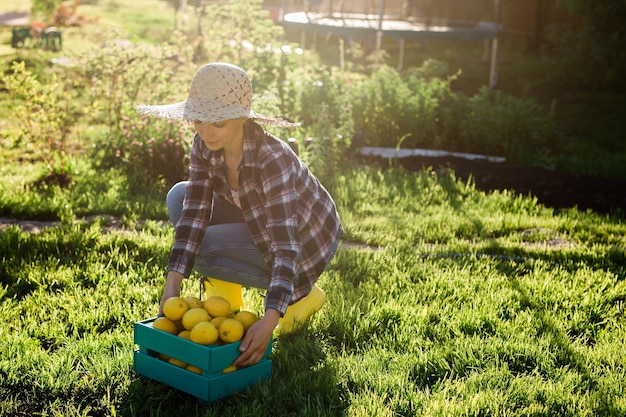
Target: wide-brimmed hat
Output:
[(219, 91)]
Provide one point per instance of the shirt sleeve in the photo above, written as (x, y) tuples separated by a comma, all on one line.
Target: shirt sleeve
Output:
[(281, 199), (196, 212)]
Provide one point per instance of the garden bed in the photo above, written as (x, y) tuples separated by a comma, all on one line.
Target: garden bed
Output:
[(556, 189)]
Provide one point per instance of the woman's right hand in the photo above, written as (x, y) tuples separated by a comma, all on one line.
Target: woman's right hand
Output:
[(172, 287)]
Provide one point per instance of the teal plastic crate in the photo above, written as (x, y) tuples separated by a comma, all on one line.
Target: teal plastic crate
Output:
[(212, 384)]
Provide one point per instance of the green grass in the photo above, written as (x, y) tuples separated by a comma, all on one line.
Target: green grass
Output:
[(456, 303)]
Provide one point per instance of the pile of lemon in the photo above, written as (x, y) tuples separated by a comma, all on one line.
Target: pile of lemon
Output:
[(208, 322)]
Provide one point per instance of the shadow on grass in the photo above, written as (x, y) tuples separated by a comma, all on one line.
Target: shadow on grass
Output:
[(303, 383)]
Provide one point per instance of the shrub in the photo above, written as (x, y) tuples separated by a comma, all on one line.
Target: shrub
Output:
[(517, 128), (151, 150), (418, 107), (46, 112)]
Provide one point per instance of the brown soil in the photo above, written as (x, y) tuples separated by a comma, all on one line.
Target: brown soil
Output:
[(556, 189)]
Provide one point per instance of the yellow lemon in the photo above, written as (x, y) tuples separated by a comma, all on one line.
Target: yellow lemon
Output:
[(247, 318), (177, 362), (204, 333), (217, 306), (231, 331), (218, 320), (185, 334), (164, 357), (193, 302), (174, 308), (165, 324), (231, 368), (194, 369), (194, 316)]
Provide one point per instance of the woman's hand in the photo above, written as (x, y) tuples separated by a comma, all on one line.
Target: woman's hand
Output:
[(256, 340), (172, 288)]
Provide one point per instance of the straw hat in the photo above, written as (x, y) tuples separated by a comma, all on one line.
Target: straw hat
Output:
[(218, 92)]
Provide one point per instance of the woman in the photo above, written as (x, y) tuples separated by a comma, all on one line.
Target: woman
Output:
[(251, 212)]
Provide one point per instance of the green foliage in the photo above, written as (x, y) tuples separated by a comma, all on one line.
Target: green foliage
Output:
[(45, 112), (389, 105), (150, 151), (119, 74), (90, 192), (116, 77), (44, 9), (241, 32), (323, 107), (420, 108), (517, 128), (590, 55)]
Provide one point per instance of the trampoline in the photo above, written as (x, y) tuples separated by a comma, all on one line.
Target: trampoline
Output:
[(368, 25), (397, 25)]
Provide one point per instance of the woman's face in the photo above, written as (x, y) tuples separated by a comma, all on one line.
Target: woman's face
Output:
[(227, 134)]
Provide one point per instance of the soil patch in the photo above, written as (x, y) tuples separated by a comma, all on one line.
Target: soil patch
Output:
[(556, 189)]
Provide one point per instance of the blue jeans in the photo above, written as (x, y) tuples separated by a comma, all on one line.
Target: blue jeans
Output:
[(227, 251)]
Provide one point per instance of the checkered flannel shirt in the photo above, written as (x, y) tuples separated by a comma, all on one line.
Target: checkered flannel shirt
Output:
[(292, 218)]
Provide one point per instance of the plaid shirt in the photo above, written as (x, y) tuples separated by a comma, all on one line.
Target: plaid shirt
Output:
[(292, 218)]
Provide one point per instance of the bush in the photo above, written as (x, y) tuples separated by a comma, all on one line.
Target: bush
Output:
[(517, 128), (150, 151), (418, 106), (45, 112)]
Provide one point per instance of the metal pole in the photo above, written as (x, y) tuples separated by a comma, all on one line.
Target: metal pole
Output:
[(493, 72), (379, 33)]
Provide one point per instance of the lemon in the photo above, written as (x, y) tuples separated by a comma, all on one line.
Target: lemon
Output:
[(231, 368), (194, 316), (231, 331), (204, 333), (165, 324), (174, 308), (184, 334), (164, 357), (247, 318), (193, 302), (177, 362), (217, 306), (218, 320), (194, 369)]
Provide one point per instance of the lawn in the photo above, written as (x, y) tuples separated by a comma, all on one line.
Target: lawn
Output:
[(443, 300)]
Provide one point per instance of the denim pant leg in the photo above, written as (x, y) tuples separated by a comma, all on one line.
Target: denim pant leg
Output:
[(227, 251)]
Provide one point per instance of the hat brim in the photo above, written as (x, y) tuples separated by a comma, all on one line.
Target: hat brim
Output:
[(185, 110)]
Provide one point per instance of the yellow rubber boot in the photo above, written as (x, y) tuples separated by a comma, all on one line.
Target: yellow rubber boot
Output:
[(228, 290), (298, 313)]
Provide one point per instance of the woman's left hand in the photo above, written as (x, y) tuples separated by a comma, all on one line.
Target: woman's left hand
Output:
[(256, 340)]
